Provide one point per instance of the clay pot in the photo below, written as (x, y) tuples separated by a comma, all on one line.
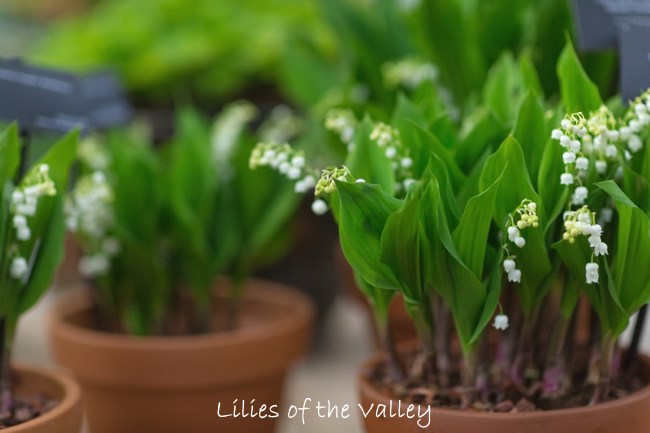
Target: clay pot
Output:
[(175, 384), (65, 417), (624, 415)]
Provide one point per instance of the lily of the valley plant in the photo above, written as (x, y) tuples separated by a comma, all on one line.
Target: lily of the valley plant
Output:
[(515, 235), (158, 226), (31, 235)]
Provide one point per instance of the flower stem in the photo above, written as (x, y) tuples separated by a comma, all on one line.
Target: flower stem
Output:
[(442, 315), (608, 344), (6, 394), (387, 342), (555, 376), (469, 377)]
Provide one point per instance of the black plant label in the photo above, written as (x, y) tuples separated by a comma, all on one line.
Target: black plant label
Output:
[(46, 99)]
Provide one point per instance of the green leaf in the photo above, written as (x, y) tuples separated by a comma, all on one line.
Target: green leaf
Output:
[(9, 154), (529, 74), (631, 272), (49, 249), (400, 247), (550, 189), (530, 130), (509, 160), (368, 161), (533, 259), (502, 88), (445, 270), (364, 210), (579, 93), (482, 132), (471, 235)]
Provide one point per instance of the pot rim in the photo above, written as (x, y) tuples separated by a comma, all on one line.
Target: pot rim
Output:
[(71, 395), (268, 292), (365, 387)]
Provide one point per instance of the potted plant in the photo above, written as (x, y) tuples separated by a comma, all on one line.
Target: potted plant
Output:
[(539, 224), (166, 342), (32, 399)]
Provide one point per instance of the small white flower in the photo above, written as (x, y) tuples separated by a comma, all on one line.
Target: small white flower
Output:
[(406, 162), (606, 215), (594, 241), (565, 141), (635, 126), (408, 182), (18, 268), (611, 151), (319, 207), (44, 169), (360, 180), (613, 134), (520, 242), (298, 161), (634, 143), (301, 187), (514, 276), (582, 163), (309, 181), (601, 249), (19, 221), (513, 233), (284, 167), (565, 123), (596, 229), (391, 152), (591, 273), (17, 197), (580, 195), (509, 265), (23, 233), (601, 167), (574, 146), (501, 322), (569, 157), (294, 172), (566, 179), (556, 134)]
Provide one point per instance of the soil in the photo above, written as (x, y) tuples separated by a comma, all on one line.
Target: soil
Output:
[(509, 398), (26, 409)]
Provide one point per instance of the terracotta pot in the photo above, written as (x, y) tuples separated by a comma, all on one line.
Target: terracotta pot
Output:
[(175, 384), (625, 415), (66, 416), (401, 324)]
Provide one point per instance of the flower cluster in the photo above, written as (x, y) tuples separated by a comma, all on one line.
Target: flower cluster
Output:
[(582, 223), (388, 138), (327, 185), (24, 203), (89, 213), (344, 123), (408, 73), (601, 138), (228, 126), (527, 214), (286, 160), (281, 126)]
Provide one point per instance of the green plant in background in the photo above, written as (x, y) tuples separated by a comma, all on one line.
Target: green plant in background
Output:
[(166, 49), (459, 41), (157, 227), (469, 230), (31, 235)]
